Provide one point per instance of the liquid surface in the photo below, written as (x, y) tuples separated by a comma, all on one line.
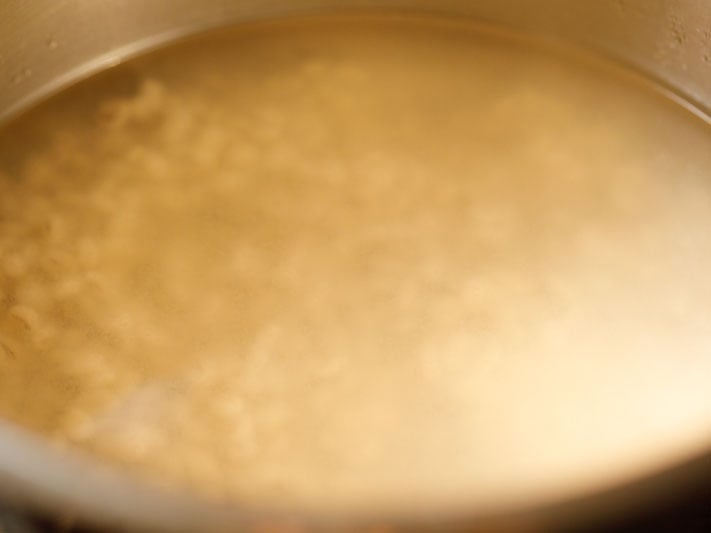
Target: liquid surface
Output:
[(342, 264)]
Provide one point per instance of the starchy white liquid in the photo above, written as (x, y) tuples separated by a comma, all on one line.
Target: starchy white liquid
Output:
[(352, 263)]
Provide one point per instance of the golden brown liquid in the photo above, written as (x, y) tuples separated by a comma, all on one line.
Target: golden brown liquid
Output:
[(359, 263)]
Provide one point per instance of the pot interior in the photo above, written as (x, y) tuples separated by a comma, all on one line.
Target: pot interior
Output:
[(360, 265)]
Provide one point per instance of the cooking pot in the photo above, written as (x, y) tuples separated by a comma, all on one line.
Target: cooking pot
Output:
[(46, 46)]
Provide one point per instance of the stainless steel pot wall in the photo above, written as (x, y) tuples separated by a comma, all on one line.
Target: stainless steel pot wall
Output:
[(48, 44)]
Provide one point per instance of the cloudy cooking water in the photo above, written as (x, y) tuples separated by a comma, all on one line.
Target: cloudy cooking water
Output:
[(352, 263)]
